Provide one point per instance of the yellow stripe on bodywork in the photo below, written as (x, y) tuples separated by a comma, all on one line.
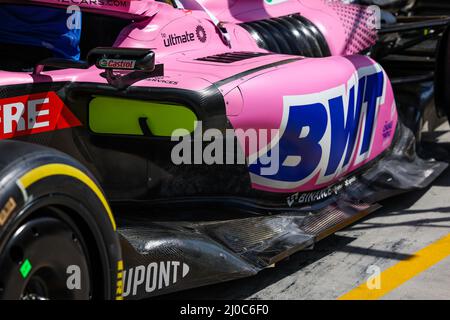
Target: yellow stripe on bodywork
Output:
[(403, 271), (48, 170)]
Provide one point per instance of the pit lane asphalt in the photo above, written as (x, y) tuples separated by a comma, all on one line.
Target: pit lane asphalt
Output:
[(404, 226)]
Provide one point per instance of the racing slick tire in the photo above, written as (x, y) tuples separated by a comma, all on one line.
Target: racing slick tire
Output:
[(57, 232)]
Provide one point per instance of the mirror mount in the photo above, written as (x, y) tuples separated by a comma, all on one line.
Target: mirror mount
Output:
[(121, 82), (58, 63), (115, 61)]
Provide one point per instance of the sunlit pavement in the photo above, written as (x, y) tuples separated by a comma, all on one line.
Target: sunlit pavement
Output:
[(404, 226)]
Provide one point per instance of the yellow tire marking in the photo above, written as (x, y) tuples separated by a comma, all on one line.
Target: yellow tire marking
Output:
[(48, 170), (119, 290), (403, 271), (119, 287)]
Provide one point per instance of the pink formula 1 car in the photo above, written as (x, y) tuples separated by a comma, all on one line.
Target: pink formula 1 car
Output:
[(194, 142)]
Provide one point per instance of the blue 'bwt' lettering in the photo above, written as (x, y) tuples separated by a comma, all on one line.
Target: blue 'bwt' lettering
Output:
[(304, 133)]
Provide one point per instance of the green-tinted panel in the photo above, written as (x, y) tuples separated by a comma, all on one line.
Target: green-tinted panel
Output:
[(109, 115)]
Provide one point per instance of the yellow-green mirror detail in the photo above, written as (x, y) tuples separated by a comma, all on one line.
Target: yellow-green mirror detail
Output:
[(109, 115)]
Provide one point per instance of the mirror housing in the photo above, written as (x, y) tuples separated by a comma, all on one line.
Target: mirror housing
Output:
[(141, 63)]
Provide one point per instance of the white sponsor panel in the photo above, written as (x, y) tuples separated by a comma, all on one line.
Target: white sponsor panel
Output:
[(152, 277)]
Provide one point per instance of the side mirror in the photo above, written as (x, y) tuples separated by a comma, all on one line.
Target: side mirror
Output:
[(141, 63), (123, 59)]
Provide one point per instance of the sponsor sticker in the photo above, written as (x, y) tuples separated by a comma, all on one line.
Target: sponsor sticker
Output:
[(100, 3), (314, 196), (323, 134), (8, 208), (175, 39), (34, 113), (152, 277), (117, 64), (388, 129)]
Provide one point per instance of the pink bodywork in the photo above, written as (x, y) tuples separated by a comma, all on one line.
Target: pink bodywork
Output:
[(256, 100)]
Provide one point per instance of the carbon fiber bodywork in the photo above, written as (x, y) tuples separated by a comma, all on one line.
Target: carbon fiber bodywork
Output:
[(166, 255), (293, 34)]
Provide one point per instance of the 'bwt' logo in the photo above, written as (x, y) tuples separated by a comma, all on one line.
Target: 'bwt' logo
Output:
[(322, 133)]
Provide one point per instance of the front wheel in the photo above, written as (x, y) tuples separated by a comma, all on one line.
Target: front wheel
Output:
[(57, 232), (46, 258)]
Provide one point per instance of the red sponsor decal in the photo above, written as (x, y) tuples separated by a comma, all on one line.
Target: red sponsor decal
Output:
[(117, 64), (34, 113)]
